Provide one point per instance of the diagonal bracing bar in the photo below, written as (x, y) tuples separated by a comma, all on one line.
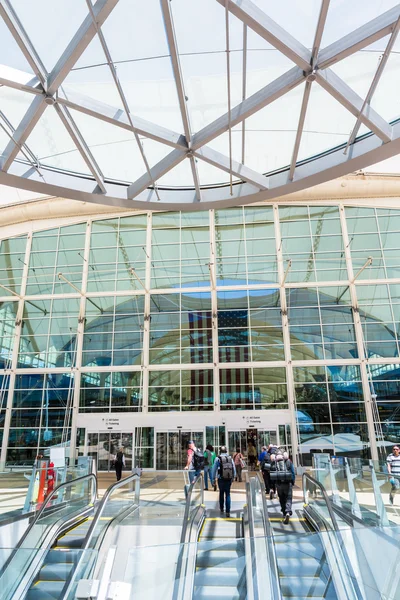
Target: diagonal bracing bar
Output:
[(238, 169), (306, 96), (375, 81), (176, 68)]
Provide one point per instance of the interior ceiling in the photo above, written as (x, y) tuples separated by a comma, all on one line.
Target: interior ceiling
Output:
[(186, 104)]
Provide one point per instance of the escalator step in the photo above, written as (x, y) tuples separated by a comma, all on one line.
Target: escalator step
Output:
[(293, 567), (213, 558), (45, 589), (219, 576), (63, 555), (297, 550), (69, 541), (221, 546), (216, 593), (55, 572), (305, 587)]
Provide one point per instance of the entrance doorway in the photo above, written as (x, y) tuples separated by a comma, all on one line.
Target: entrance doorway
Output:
[(172, 447), (103, 446), (238, 439)]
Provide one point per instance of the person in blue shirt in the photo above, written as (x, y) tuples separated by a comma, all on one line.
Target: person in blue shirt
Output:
[(225, 468), (262, 454)]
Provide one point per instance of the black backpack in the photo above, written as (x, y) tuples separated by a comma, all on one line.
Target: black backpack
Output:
[(207, 458), (266, 463), (119, 458), (198, 460), (281, 471), (226, 467)]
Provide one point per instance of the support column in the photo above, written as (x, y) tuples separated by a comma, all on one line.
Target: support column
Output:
[(286, 338), (14, 360), (214, 311), (359, 338), (146, 322), (76, 370)]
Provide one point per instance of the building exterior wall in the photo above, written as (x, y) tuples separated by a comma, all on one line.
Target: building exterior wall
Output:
[(268, 316)]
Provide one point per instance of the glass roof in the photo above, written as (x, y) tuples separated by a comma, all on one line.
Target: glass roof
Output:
[(194, 103)]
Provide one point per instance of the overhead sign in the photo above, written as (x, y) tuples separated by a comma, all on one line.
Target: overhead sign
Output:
[(111, 422)]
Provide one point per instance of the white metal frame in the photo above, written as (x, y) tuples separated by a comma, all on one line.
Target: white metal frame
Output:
[(250, 186)]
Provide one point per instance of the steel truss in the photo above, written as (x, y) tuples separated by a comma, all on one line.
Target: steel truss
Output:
[(249, 186)]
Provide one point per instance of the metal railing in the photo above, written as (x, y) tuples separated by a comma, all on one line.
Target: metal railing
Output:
[(325, 496), (184, 576), (54, 493), (254, 483), (342, 573), (109, 492), (53, 528), (85, 547)]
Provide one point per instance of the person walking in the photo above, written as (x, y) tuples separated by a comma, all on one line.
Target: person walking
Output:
[(252, 455), (209, 459), (393, 465), (238, 459), (282, 472), (225, 468), (119, 463), (265, 467), (194, 462)]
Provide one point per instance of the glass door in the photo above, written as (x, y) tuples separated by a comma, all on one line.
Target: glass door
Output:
[(237, 439), (103, 446), (172, 447), (266, 437)]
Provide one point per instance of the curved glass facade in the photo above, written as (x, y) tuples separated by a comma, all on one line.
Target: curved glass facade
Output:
[(252, 309)]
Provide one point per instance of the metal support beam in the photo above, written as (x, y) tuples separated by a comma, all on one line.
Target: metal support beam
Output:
[(79, 43), (119, 88), (22, 132), (239, 170), (306, 96), (182, 98), (22, 39), (133, 272), (10, 291), (166, 164), (61, 277), (258, 21), (350, 100), (80, 143), (117, 117), (360, 38), (289, 266), (375, 81), (268, 94)]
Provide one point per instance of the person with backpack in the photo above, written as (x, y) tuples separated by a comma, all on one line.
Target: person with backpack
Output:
[(209, 458), (238, 459), (265, 468), (225, 468), (283, 474), (119, 463), (195, 461)]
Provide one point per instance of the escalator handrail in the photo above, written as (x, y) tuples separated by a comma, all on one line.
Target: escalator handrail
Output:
[(268, 534), (325, 496), (56, 492), (88, 538), (187, 506), (351, 586), (109, 492)]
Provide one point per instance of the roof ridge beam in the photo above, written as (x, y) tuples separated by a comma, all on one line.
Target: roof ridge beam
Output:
[(360, 38), (81, 40), (266, 95), (352, 101), (252, 16)]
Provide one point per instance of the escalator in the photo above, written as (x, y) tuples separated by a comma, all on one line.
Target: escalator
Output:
[(302, 567), (62, 544), (220, 561), (59, 564)]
